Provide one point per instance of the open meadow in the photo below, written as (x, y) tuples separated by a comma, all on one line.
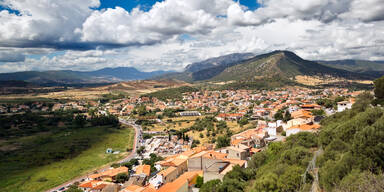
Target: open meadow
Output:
[(31, 164)]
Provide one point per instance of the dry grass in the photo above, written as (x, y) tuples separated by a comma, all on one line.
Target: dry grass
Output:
[(314, 80), (131, 88)]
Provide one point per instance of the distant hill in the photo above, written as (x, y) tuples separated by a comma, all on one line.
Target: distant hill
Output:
[(63, 77), (125, 73), (375, 68), (14, 83), (284, 64), (225, 60), (222, 62)]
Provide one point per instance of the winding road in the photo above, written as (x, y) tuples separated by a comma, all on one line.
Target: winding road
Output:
[(136, 145)]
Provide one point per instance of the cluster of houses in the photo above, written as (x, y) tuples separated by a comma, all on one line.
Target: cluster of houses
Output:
[(233, 105), (44, 107), (182, 165), (178, 172), (165, 145)]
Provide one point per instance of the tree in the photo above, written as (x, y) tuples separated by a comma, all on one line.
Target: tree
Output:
[(287, 116), (291, 178), (319, 112), (74, 188), (141, 150), (211, 186), (80, 121), (199, 181), (223, 141), (267, 182), (243, 121), (379, 88), (278, 115), (121, 177)]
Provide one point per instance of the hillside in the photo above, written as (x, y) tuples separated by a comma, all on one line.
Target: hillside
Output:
[(69, 77), (225, 60), (374, 68), (274, 69), (349, 151), (216, 63), (284, 64), (124, 73)]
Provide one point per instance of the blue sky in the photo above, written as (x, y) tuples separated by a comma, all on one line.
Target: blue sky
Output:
[(144, 4), (147, 4), (73, 34)]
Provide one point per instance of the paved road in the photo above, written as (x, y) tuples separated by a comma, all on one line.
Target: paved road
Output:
[(136, 145)]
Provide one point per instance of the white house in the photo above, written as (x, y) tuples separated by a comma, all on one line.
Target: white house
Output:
[(343, 105), (156, 181)]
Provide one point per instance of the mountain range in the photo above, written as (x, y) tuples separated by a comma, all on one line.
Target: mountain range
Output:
[(277, 64), (284, 66), (68, 77)]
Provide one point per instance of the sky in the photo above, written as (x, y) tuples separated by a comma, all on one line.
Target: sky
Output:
[(153, 35)]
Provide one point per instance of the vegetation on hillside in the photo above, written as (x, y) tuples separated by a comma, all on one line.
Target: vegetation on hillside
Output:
[(265, 83), (350, 147), (172, 93)]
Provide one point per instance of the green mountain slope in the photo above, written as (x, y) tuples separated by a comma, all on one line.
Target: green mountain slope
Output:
[(284, 64), (373, 68)]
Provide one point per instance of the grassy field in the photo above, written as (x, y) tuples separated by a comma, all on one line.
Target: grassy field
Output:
[(17, 176)]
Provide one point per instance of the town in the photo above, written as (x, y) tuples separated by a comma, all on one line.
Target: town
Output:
[(184, 142)]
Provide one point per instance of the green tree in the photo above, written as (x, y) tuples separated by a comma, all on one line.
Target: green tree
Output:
[(291, 178), (211, 186), (278, 115), (122, 177), (223, 141), (243, 121), (80, 121), (141, 150), (199, 181), (74, 188), (287, 116), (379, 88), (267, 182), (318, 112)]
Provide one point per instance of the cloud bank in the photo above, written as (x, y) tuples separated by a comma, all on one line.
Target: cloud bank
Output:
[(174, 33)]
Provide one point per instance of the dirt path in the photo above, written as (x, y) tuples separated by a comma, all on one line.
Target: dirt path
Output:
[(314, 171)]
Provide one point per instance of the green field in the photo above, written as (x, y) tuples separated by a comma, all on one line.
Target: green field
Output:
[(83, 151)]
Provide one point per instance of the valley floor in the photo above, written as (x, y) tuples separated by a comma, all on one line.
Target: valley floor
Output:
[(47, 176)]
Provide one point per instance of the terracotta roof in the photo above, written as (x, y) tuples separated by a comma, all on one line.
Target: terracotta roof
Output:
[(93, 184), (94, 176), (310, 105), (87, 184), (235, 161), (188, 153), (199, 149), (167, 171), (185, 178), (178, 162), (214, 154), (237, 141), (101, 186), (114, 172), (301, 114), (133, 188), (306, 127), (143, 169), (255, 150)]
